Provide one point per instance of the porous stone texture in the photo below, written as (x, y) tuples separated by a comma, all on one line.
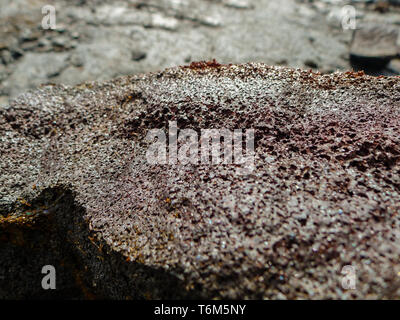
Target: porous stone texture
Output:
[(77, 191)]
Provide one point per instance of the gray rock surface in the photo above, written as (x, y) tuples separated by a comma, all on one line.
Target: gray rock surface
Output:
[(376, 41), (77, 192), (375, 45), (99, 40)]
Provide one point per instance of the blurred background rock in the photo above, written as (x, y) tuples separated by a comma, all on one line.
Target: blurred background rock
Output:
[(102, 39)]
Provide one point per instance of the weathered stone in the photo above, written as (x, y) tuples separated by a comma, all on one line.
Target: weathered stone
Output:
[(77, 192), (374, 45)]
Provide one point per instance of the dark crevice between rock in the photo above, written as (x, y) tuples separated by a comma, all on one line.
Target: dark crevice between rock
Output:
[(52, 231)]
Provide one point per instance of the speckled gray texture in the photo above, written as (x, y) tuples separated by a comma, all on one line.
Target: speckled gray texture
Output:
[(325, 191)]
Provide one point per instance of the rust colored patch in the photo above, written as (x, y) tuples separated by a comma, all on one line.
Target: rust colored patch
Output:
[(355, 74), (204, 65)]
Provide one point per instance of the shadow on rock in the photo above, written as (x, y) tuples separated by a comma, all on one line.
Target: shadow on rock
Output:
[(51, 230)]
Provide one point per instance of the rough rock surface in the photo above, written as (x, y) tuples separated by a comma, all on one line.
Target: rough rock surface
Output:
[(77, 192)]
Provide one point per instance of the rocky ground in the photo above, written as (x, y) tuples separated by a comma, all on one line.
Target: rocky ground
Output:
[(102, 39), (78, 193)]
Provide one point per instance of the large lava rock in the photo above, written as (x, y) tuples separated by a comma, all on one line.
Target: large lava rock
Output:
[(77, 192)]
